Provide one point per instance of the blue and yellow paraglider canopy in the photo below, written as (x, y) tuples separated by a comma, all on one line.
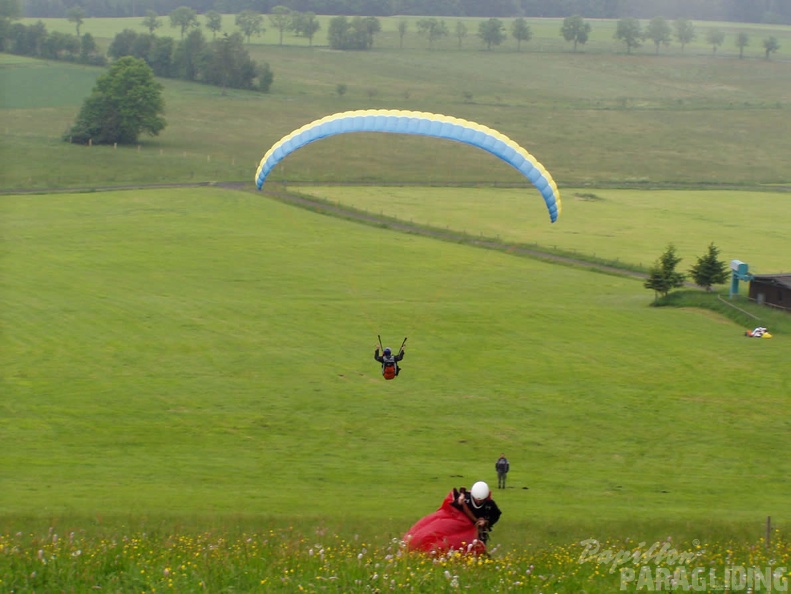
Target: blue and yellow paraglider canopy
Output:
[(420, 123)]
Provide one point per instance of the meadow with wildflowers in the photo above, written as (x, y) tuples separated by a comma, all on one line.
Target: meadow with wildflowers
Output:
[(283, 560)]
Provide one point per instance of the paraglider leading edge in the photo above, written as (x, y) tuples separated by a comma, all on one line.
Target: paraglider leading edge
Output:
[(419, 123)]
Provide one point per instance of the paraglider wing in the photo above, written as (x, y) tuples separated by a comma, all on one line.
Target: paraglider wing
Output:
[(423, 124), (444, 530)]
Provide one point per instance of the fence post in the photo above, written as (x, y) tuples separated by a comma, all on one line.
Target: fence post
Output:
[(768, 531)]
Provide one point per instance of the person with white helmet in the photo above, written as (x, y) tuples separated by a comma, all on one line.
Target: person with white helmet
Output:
[(462, 523), (478, 505)]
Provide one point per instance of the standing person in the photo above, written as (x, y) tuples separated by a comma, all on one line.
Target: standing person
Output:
[(478, 505), (390, 368), (502, 466)]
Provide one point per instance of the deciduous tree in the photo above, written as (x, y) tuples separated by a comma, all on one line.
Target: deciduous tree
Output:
[(250, 23), (355, 34), (770, 46), (280, 17), (403, 27), (491, 32), (76, 15), (658, 31), (229, 64), (151, 21), (190, 55), (521, 32), (213, 22), (742, 41), (461, 31), (433, 29), (685, 32), (305, 24), (125, 103), (715, 38), (183, 18), (630, 32), (576, 30)]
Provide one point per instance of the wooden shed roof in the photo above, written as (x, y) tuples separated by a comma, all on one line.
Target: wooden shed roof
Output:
[(777, 280)]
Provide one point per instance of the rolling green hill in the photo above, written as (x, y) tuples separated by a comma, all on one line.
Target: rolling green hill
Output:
[(210, 351)]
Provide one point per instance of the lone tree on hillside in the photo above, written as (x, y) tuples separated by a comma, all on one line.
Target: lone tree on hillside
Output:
[(709, 270), (126, 102), (663, 278), (575, 29)]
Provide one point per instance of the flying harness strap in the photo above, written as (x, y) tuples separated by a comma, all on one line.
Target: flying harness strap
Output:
[(389, 367)]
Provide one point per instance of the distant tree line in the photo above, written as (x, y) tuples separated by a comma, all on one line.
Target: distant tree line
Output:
[(660, 32), (223, 62), (752, 11), (35, 41)]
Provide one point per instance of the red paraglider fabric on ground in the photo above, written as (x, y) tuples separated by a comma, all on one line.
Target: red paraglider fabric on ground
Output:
[(444, 530)]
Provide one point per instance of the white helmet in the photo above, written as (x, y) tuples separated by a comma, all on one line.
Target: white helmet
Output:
[(480, 490)]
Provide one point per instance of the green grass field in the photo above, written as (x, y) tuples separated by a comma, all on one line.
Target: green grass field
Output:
[(187, 372), (200, 344), (183, 366), (624, 226)]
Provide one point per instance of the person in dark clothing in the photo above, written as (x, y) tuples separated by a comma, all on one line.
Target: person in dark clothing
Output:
[(502, 466), (390, 367), (478, 505)]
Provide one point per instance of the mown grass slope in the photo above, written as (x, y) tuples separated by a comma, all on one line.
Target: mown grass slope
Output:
[(208, 352)]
